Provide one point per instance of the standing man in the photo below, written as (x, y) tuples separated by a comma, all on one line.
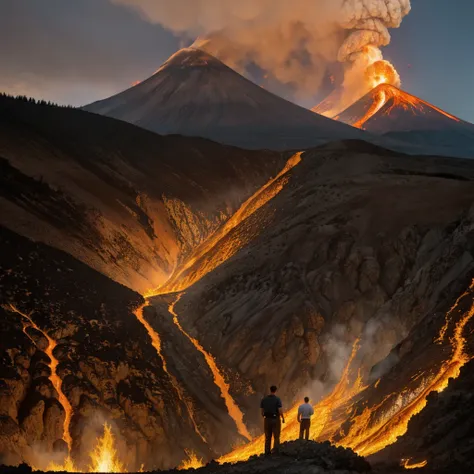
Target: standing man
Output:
[(305, 412), (272, 411)]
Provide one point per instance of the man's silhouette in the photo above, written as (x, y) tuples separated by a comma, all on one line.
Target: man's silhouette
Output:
[(272, 411), (305, 412)]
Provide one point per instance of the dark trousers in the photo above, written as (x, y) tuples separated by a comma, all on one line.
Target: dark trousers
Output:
[(272, 427), (305, 425)]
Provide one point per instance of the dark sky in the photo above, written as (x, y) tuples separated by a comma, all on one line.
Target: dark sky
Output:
[(77, 51)]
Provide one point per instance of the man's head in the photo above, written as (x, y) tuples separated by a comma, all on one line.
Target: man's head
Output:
[(273, 389), (306, 399)]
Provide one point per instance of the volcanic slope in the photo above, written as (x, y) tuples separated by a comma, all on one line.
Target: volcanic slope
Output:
[(394, 113), (193, 93), (126, 201), (359, 246)]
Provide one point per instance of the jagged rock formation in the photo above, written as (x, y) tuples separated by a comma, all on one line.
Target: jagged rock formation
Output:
[(123, 200), (195, 94)]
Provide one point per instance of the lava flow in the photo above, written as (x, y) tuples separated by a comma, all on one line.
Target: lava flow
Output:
[(198, 265), (232, 407), (406, 463), (54, 377), (371, 433), (156, 343), (342, 392)]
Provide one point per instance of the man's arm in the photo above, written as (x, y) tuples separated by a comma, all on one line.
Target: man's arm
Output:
[(263, 412), (282, 416), (299, 416)]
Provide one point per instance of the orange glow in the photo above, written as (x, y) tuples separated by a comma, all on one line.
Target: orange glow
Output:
[(216, 250), (68, 466), (156, 342), (193, 462), (104, 456), (381, 72), (371, 432), (341, 393), (54, 377), (385, 92), (380, 99), (378, 426), (232, 407), (406, 464)]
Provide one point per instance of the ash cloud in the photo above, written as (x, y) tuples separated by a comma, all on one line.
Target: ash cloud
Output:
[(293, 42)]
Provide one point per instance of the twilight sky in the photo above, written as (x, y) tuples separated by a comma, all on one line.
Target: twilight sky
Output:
[(82, 50)]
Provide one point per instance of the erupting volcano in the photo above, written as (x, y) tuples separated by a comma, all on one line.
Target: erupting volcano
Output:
[(388, 109)]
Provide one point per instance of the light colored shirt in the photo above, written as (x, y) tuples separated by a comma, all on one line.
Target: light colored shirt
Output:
[(306, 411)]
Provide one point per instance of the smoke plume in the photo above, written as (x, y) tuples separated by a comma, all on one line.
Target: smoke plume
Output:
[(293, 42)]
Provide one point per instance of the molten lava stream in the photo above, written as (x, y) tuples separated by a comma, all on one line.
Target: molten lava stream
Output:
[(156, 342), (232, 407), (369, 434), (54, 377), (406, 463), (183, 278), (340, 395)]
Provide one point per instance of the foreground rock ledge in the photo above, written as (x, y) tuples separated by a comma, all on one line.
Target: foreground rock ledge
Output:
[(295, 457)]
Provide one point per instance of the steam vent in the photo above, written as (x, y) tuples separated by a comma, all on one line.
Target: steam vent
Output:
[(171, 252)]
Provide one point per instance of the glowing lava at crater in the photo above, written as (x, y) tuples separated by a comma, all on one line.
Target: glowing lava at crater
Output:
[(382, 72)]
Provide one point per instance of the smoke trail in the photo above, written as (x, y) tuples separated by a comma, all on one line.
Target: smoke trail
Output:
[(293, 42)]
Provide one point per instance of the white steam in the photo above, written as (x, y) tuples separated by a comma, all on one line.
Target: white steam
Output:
[(292, 41)]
